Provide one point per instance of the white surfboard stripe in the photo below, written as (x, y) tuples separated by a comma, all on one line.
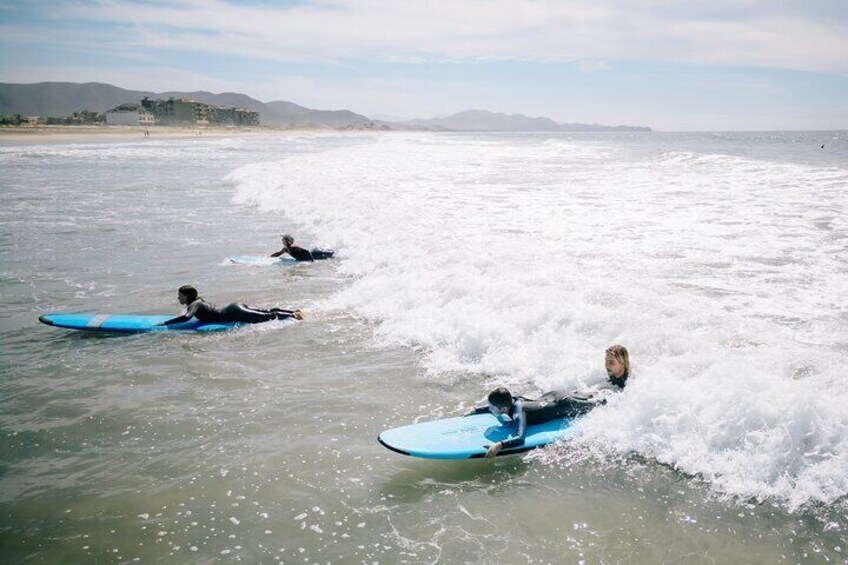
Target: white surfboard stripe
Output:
[(97, 321)]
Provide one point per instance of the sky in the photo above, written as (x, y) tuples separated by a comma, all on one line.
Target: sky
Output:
[(673, 65)]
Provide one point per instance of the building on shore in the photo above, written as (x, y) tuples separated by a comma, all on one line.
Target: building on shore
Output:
[(174, 111), (234, 116), (129, 115), (182, 111)]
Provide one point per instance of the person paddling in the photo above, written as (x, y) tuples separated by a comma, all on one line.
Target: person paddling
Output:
[(297, 253), (554, 404), (203, 311)]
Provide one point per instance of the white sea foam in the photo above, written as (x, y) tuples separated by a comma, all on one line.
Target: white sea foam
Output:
[(163, 149), (522, 259)]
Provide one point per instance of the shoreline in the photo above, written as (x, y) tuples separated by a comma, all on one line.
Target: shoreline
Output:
[(130, 133)]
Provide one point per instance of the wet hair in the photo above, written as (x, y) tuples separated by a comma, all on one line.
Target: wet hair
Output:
[(619, 353), (189, 292), (500, 397), (288, 240)]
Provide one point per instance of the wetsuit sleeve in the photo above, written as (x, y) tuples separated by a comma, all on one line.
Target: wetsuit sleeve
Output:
[(177, 320), (478, 410), (185, 317), (522, 427), (278, 253)]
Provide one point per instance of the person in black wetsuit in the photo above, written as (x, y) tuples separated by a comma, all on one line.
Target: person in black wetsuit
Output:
[(297, 253), (554, 404), (301, 254), (198, 308)]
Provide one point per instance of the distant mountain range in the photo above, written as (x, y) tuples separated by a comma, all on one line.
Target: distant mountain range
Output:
[(55, 99), (481, 120), (63, 98)]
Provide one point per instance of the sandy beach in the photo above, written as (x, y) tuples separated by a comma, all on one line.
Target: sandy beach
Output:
[(127, 133)]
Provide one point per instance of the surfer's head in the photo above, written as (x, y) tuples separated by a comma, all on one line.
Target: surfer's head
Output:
[(500, 400), (288, 240), (187, 294), (617, 361)]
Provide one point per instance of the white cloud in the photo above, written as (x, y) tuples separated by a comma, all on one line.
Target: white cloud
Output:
[(163, 45), (753, 33), (589, 66)]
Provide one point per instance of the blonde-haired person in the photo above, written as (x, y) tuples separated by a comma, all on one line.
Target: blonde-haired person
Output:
[(617, 363)]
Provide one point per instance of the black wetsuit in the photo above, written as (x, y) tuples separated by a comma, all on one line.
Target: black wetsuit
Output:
[(550, 406), (618, 381), (322, 253), (234, 312), (297, 253), (301, 254)]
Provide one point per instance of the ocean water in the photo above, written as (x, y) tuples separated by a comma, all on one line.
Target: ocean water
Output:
[(463, 262)]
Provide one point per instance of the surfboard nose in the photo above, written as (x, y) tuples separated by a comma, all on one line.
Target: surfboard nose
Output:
[(45, 319), (395, 449)]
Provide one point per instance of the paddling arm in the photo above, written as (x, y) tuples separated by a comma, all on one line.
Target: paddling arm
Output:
[(476, 410), (521, 416), (177, 320), (185, 316)]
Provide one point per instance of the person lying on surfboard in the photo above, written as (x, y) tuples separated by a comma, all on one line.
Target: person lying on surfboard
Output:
[(554, 404), (198, 308), (297, 253), (301, 254)]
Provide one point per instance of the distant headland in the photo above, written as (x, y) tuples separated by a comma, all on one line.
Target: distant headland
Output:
[(94, 103)]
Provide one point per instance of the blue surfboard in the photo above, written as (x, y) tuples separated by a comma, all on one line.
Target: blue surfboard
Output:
[(264, 260), (470, 436), (261, 261), (127, 323)]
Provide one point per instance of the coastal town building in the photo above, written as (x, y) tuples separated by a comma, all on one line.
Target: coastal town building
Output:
[(129, 115), (174, 111), (234, 116), (183, 111)]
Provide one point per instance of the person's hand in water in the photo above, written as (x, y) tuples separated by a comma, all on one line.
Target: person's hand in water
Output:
[(493, 449)]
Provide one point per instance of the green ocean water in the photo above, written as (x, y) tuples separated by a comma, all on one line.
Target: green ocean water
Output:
[(259, 445)]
